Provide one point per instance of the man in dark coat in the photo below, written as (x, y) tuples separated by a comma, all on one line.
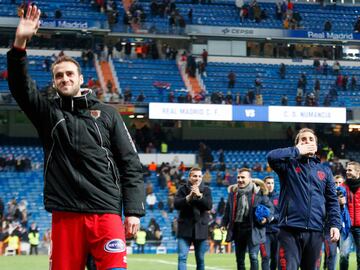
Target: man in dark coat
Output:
[(243, 225), (92, 172), (193, 200)]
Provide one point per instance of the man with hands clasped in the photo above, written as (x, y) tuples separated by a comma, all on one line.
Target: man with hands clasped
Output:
[(307, 198), (194, 201)]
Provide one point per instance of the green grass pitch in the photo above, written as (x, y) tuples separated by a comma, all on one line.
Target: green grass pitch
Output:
[(137, 262)]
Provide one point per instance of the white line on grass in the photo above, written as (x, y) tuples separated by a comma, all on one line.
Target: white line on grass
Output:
[(175, 263)]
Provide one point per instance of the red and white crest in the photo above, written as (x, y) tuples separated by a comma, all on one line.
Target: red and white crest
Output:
[(321, 175), (95, 113)]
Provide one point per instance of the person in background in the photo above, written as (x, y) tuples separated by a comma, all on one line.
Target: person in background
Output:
[(240, 221), (194, 201), (268, 250), (352, 185), (34, 238)]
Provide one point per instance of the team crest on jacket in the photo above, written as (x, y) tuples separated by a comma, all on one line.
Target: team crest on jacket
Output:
[(115, 246), (298, 170), (95, 113), (321, 175)]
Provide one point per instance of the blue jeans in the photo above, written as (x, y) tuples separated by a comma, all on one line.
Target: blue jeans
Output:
[(356, 236), (345, 249), (200, 247), (330, 254)]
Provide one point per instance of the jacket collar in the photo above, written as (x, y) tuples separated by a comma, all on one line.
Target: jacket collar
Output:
[(85, 101), (259, 185)]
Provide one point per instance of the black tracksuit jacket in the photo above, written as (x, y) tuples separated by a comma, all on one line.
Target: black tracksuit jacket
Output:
[(91, 164)]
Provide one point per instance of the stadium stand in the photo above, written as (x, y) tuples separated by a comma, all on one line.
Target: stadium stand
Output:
[(141, 75)]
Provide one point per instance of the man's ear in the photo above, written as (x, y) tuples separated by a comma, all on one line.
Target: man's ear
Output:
[(81, 79)]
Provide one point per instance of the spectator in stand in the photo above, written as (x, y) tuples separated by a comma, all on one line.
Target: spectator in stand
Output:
[(191, 65), (282, 71), (353, 84), (310, 100), (316, 64), (278, 13), (317, 90), (231, 79), (140, 97), (352, 185), (57, 14), (150, 149), (327, 26), (151, 234), (4, 75), (228, 98), (257, 13), (269, 249), (162, 180), (151, 200), (171, 195), (194, 201), (357, 25), (345, 82), (171, 97), (336, 68), (109, 86), (207, 177), (257, 167), (339, 81), (300, 87), (284, 100), (240, 221), (182, 167), (127, 95), (258, 84), (290, 6), (325, 68), (190, 15), (204, 56), (152, 166), (91, 83)]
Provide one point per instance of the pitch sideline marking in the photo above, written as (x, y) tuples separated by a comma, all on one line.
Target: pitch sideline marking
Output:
[(175, 263)]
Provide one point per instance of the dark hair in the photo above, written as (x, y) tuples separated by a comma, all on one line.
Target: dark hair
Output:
[(65, 58), (267, 177)]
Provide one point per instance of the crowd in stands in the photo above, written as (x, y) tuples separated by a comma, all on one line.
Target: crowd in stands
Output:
[(15, 234), (11, 163)]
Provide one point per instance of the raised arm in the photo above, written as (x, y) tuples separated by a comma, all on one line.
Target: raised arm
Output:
[(21, 86), (277, 158), (27, 27)]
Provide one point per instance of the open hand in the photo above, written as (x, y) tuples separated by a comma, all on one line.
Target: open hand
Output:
[(27, 27), (306, 149)]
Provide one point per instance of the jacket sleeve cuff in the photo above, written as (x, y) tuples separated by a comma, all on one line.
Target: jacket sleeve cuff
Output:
[(19, 49)]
